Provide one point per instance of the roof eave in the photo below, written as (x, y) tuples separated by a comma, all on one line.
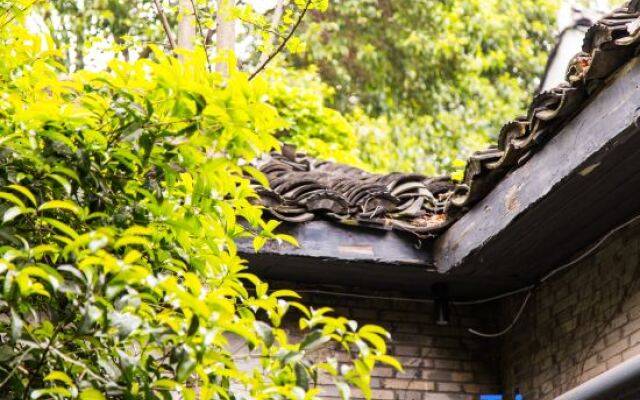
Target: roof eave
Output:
[(336, 254), (580, 185)]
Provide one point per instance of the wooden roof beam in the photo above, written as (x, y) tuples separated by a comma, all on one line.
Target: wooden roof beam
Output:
[(580, 185)]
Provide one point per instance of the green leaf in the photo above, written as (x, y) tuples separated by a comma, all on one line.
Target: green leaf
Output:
[(24, 191), (58, 137), (16, 326), (375, 340), (257, 175), (389, 361), (11, 213), (285, 293), (288, 238), (125, 323), (62, 227), (131, 240), (259, 242), (91, 394), (56, 390), (313, 340), (265, 332), (185, 368), (59, 376), (193, 325), (66, 171), (61, 205), (344, 390), (302, 376), (13, 199), (167, 384), (64, 182)]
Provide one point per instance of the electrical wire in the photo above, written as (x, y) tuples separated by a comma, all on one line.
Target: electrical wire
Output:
[(511, 325), (529, 288), (557, 270), (545, 278), (493, 298), (590, 250), (363, 296)]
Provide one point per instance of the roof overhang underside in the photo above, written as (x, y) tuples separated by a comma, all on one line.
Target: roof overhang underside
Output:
[(580, 185)]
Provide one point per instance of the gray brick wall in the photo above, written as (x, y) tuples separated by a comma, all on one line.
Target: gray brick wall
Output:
[(578, 325), (441, 363)]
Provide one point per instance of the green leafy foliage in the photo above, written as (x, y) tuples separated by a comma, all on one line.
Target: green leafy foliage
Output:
[(122, 194), (399, 85), (312, 126), (425, 82)]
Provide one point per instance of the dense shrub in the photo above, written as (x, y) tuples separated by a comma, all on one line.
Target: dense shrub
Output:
[(121, 196)]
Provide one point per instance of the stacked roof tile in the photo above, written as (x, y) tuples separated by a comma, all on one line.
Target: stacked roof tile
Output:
[(303, 188)]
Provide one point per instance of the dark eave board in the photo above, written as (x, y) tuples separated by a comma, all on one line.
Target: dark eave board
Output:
[(327, 240), (334, 254), (582, 184)]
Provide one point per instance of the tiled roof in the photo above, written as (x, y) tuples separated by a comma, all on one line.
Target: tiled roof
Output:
[(303, 188)]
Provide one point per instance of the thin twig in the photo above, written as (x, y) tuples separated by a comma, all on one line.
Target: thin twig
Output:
[(264, 28), (41, 362), (18, 363), (284, 42), (165, 24), (197, 17), (79, 364)]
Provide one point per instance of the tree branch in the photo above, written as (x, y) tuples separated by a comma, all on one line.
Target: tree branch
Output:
[(165, 24), (283, 44), (198, 23), (15, 369), (201, 31), (43, 358)]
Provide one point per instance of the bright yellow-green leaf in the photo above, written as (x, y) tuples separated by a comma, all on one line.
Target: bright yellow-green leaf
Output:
[(61, 205), (59, 376), (389, 361), (62, 227), (285, 293), (91, 394), (131, 240), (13, 199), (26, 192)]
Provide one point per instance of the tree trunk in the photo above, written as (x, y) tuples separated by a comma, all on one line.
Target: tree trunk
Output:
[(186, 25), (79, 56), (225, 35), (277, 15)]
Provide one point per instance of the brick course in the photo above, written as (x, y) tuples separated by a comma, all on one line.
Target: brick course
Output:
[(577, 325), (440, 362)]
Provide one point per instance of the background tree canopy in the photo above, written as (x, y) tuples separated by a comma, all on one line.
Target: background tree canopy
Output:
[(426, 82), (417, 84)]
